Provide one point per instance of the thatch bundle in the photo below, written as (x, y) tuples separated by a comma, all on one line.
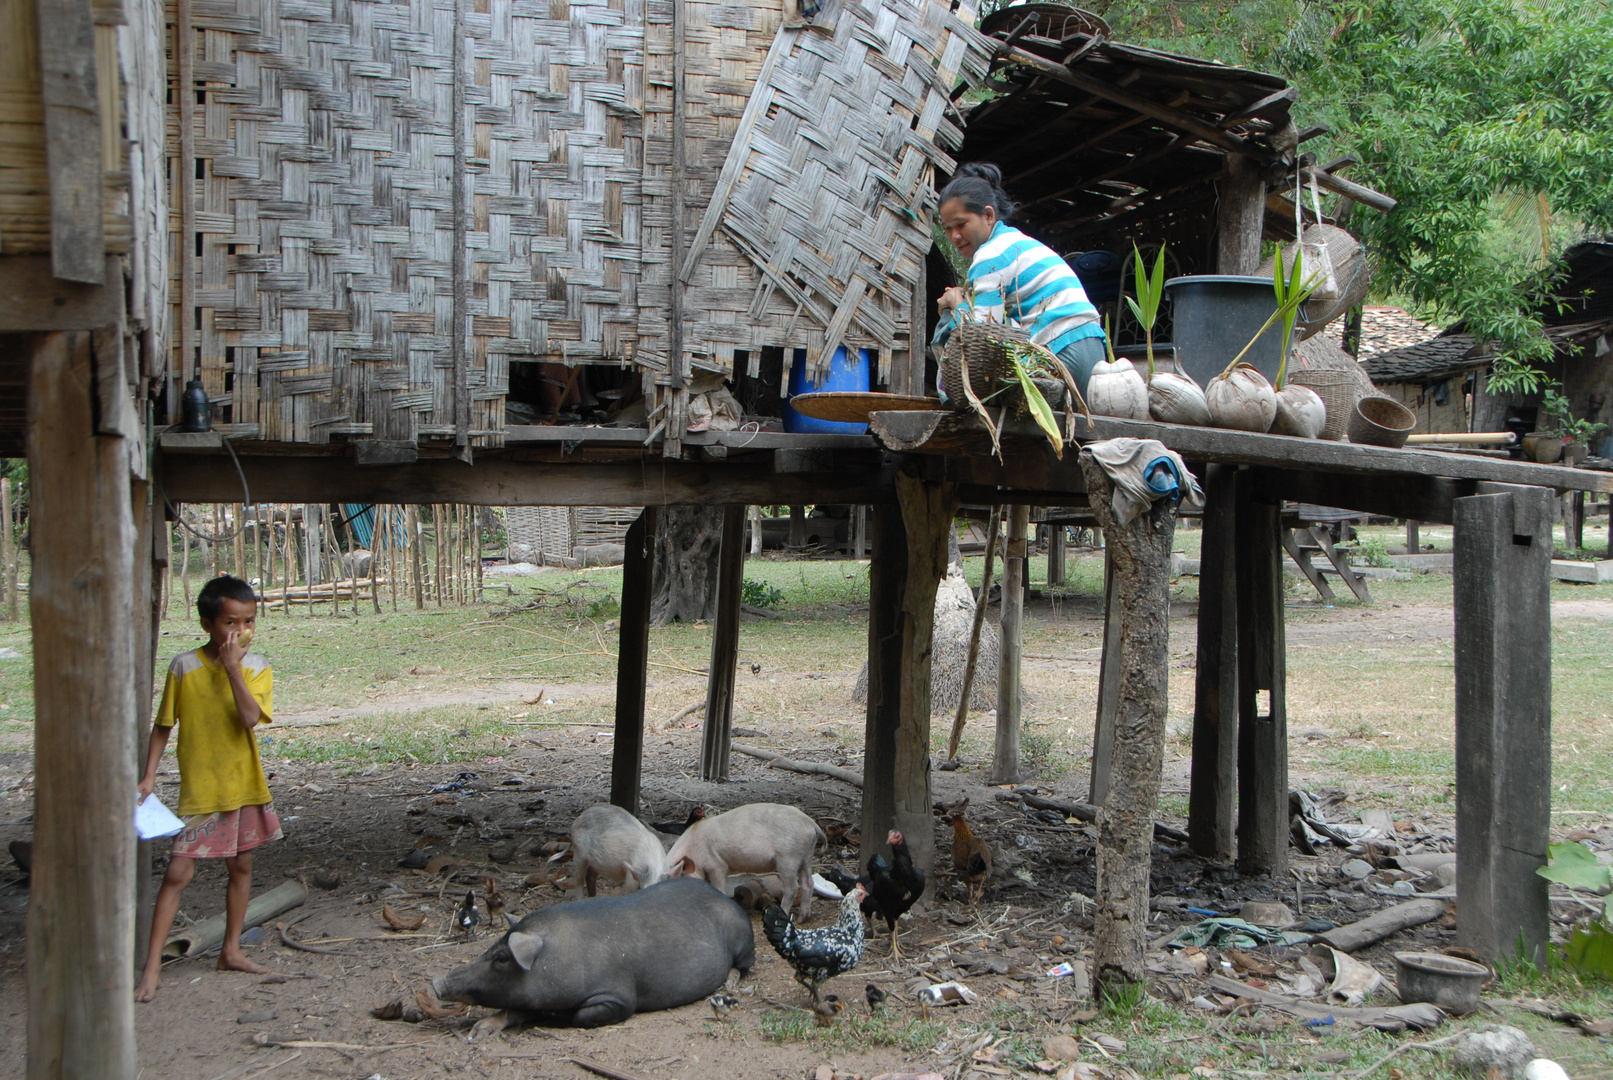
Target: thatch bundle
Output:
[(954, 618)]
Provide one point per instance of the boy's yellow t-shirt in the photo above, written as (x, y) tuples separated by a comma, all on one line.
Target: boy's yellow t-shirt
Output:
[(219, 768)]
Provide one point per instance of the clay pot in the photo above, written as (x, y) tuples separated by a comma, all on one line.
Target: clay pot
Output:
[(1300, 412), (1241, 399), (1117, 389), (1381, 421), (1177, 399)]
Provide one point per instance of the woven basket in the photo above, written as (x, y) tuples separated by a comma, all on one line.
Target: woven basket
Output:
[(1338, 392), (984, 346)]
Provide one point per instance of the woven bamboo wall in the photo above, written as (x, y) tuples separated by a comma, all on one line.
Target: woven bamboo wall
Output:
[(24, 180), (394, 201)]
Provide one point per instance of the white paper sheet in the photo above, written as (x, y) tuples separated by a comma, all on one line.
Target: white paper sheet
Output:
[(153, 820)]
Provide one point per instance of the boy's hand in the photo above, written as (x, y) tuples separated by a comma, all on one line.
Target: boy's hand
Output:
[(148, 784), (231, 651)]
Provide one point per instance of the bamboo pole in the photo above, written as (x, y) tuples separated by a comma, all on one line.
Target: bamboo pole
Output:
[(289, 556), (436, 547), (184, 563), (308, 556), (6, 540), (392, 557), (212, 545), (416, 535), (168, 578), (238, 526), (476, 530)]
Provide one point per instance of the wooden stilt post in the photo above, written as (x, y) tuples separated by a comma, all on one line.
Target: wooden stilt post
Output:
[(755, 514), (1503, 720), (144, 602), (1141, 554), (909, 560), (859, 533), (1414, 543), (1213, 783), (184, 561), (215, 562), (1240, 217), (632, 659), (1005, 758), (238, 541), (1103, 725), (437, 549), (416, 539), (80, 933), (375, 558), (1055, 556), (1262, 677), (7, 538), (476, 531), (715, 733), (797, 528), (1573, 522)]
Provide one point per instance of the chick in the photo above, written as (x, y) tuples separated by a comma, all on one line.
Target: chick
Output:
[(468, 914), (876, 997), (495, 904), (825, 1011), (722, 1004)]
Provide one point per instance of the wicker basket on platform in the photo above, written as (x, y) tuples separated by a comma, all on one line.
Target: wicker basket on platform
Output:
[(982, 348), (1338, 391)]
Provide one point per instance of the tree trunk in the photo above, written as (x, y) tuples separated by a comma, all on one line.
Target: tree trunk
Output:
[(688, 544), (1140, 553)]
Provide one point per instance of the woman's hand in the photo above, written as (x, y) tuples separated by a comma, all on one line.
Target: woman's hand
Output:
[(949, 300)]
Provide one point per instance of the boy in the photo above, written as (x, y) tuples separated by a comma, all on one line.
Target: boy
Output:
[(216, 694)]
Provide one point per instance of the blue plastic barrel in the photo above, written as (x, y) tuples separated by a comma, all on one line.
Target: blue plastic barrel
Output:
[(844, 375)]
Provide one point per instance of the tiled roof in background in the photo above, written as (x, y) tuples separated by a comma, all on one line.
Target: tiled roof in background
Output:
[(1384, 328)]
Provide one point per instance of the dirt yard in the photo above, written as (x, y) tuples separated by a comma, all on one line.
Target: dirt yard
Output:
[(508, 761)]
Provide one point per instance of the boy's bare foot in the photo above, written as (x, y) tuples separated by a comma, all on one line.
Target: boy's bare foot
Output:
[(150, 983), (238, 962)]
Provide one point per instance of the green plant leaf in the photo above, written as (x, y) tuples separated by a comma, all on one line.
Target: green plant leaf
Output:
[(1575, 865), (1040, 408), (1591, 950)]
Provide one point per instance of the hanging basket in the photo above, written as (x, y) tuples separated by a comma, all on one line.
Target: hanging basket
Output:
[(982, 348)]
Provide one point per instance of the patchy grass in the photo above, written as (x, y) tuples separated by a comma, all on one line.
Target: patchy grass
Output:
[(852, 1030)]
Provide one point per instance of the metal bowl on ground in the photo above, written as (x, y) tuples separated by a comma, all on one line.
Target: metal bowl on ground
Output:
[(1381, 421), (1450, 982)]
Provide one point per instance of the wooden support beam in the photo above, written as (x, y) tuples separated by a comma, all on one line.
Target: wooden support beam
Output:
[(1418, 495), (1011, 645), (1103, 725), (1414, 542), (1503, 721), (632, 660), (1262, 712), (67, 79), (1141, 551), (909, 560), (1240, 217), (80, 932), (797, 535), (1212, 786), (501, 482), (716, 732), (1056, 554), (1349, 189)]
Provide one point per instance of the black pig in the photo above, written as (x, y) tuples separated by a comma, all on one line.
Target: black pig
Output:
[(600, 960)]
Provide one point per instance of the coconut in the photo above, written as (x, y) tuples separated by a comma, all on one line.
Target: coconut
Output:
[(1177, 399), (1117, 389), (1300, 412), (1241, 399)]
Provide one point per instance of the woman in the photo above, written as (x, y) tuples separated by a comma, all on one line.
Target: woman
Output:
[(1014, 279)]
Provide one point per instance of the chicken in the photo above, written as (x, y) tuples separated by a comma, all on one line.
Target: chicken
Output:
[(827, 1009), (896, 886), (819, 955), (468, 914), (722, 1004), (495, 904), (875, 996), (971, 858), (678, 828)]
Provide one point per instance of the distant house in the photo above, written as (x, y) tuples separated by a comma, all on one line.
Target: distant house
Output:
[(1443, 376)]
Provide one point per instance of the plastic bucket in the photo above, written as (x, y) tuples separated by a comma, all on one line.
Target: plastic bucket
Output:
[(848, 373), (1213, 316)]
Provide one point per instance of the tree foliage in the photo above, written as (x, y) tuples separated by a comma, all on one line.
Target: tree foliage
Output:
[(1457, 108)]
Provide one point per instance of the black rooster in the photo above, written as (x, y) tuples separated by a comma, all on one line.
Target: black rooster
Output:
[(819, 955), (896, 886), (678, 828)]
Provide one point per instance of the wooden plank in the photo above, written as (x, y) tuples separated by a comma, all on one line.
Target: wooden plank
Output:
[(1240, 217), (1103, 724), (909, 560), (957, 433), (1011, 646), (369, 452), (71, 99), (80, 932), (1262, 713), (1428, 498), (632, 661), (651, 482), (31, 298), (1503, 720), (1212, 785), (715, 733)]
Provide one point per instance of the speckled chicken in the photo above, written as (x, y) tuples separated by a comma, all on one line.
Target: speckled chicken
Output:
[(819, 955)]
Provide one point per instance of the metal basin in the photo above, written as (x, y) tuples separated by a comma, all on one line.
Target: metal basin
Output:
[(1450, 982)]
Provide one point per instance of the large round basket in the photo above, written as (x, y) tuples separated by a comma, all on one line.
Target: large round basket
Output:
[(984, 347), (1381, 421), (1338, 392)]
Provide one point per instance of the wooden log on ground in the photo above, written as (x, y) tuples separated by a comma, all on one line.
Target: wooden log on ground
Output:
[(1213, 783), (1381, 924), (1005, 756), (80, 927), (1086, 812), (1141, 551), (715, 734), (632, 660), (909, 560), (813, 768), (1503, 720)]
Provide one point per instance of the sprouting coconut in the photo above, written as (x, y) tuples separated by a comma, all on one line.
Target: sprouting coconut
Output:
[(1240, 397), (1173, 398)]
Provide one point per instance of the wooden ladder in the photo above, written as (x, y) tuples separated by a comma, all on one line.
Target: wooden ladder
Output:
[(1313, 538)]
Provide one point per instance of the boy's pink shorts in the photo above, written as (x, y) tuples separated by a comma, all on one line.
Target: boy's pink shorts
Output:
[(227, 833)]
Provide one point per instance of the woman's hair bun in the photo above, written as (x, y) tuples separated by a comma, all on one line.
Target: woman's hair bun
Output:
[(985, 170), (979, 184)]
